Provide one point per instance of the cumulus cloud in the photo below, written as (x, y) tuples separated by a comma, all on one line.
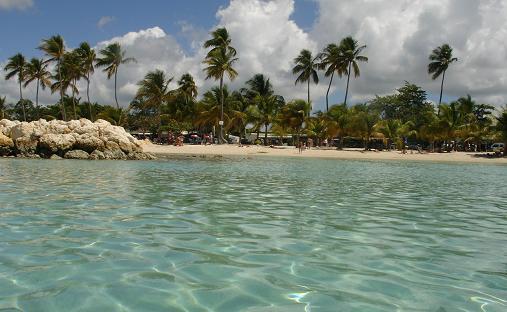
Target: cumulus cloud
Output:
[(15, 4), (104, 20), (400, 35)]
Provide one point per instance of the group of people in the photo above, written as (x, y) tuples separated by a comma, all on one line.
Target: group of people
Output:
[(303, 145)]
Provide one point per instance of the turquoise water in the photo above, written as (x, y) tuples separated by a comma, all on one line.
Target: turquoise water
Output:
[(252, 235)]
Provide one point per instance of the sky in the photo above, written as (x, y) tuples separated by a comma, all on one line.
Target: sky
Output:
[(268, 35)]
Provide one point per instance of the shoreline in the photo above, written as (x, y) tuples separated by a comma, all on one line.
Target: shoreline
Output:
[(234, 151)]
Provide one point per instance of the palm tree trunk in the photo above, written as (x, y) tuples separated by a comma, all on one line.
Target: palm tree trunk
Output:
[(221, 135), (21, 100), (88, 94), (74, 100), (309, 98), (116, 96), (348, 81), (327, 93), (37, 99), (64, 115), (266, 134), (441, 91)]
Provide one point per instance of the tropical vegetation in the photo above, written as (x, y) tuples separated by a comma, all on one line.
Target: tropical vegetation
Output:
[(164, 104)]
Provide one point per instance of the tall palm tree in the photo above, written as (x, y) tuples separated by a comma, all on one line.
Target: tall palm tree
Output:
[(306, 68), (88, 59), (351, 51), (112, 56), (332, 61), (154, 91), (441, 58), (219, 62), (74, 70), (16, 66), (66, 78), (37, 70), (54, 48), (220, 40)]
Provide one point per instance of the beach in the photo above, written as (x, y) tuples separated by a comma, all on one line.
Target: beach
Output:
[(230, 150)]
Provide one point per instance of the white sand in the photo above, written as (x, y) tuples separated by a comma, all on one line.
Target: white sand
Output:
[(234, 150)]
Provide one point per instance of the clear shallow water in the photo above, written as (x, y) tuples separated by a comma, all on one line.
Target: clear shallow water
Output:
[(252, 235)]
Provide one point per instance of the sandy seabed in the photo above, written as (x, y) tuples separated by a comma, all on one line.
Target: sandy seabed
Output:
[(254, 151)]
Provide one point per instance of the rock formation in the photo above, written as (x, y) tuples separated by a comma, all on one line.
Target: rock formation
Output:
[(75, 139)]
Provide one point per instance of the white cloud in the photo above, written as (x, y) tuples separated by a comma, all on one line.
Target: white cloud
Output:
[(104, 20), (15, 4), (400, 34)]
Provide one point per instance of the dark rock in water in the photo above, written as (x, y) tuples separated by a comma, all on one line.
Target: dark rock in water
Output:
[(76, 154)]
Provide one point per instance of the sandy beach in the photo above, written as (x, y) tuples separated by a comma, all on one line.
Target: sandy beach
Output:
[(261, 151)]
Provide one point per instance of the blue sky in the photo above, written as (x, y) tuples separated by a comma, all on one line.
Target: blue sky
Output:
[(22, 30)]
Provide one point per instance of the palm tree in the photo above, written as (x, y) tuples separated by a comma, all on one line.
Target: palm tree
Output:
[(88, 58), (293, 115), (37, 70), (306, 69), (154, 91), (351, 51), (74, 71), (3, 107), (187, 87), (394, 130), (16, 66), (441, 58), (260, 93), (112, 57), (220, 40), (333, 61), (66, 79), (501, 127), (219, 62), (54, 47), (210, 107), (339, 116)]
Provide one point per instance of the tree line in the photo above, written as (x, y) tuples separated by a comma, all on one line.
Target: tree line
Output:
[(392, 120)]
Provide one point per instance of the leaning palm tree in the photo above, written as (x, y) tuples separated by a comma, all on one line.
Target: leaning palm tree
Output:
[(332, 61), (54, 48), (440, 58), (351, 51), (37, 70), (16, 66), (88, 58), (154, 91), (112, 57), (219, 63), (306, 68)]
